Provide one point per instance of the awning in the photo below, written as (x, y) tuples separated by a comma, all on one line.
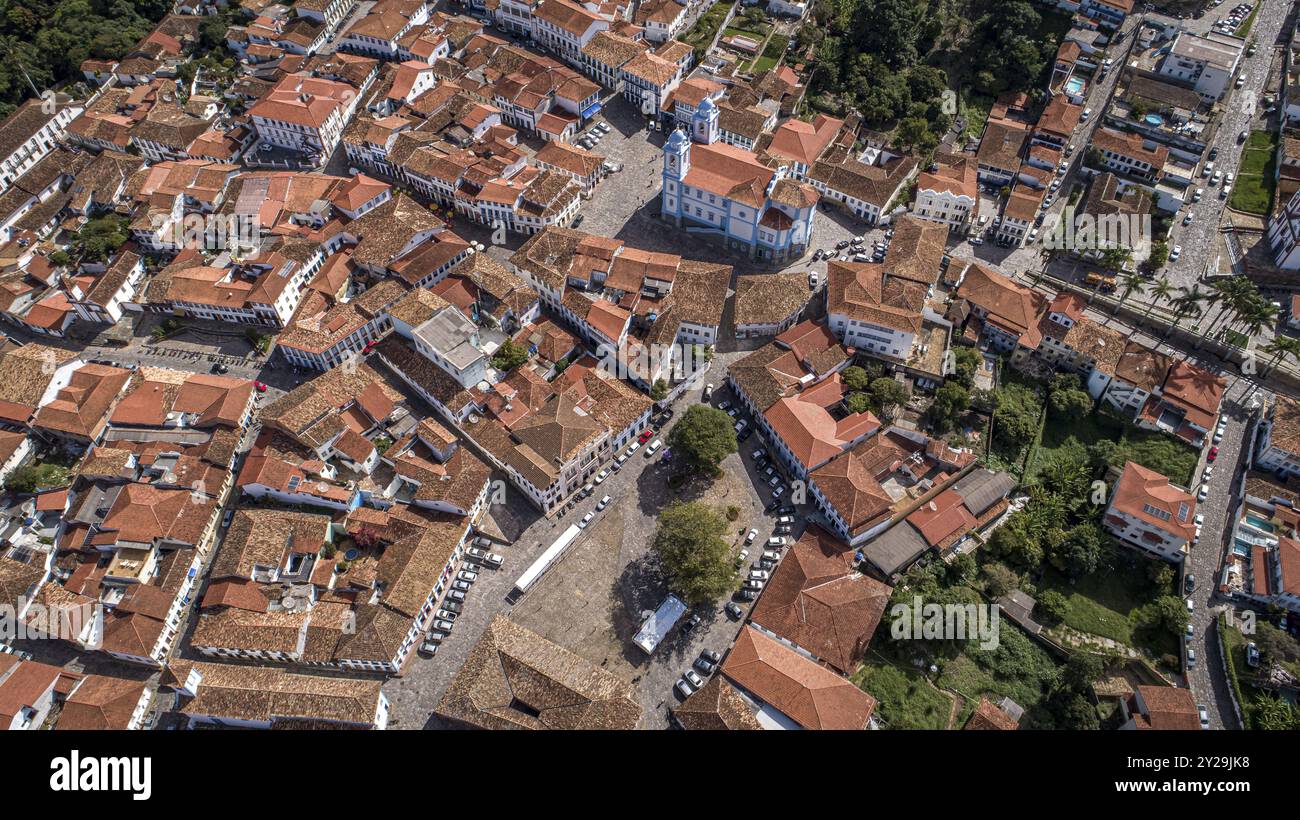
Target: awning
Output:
[(590, 112)]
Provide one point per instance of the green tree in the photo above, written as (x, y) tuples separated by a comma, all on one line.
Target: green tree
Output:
[(951, 401), (966, 363), (855, 378), (691, 549), (886, 392), (659, 390), (100, 238), (1081, 552), (509, 356), (1051, 606), (857, 402), (702, 439)]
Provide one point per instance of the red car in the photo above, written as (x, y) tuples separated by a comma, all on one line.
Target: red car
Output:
[(261, 388), (646, 436), (1214, 453), (370, 346)]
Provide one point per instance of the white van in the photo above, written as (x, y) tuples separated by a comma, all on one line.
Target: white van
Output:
[(653, 448)]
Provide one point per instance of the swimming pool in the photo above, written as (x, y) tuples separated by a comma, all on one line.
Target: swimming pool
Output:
[(1154, 119), (1258, 523), (1075, 85)]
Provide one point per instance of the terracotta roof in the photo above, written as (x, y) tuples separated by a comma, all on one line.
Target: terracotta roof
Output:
[(716, 705), (818, 601), (516, 679), (988, 715), (809, 694), (1148, 496), (101, 703), (1166, 707)]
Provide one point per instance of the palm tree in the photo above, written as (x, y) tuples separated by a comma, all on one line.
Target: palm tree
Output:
[(1279, 347), (1132, 282), (1229, 295), (1187, 304), (1159, 291)]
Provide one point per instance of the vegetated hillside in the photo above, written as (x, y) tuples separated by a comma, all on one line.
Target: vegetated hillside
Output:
[(892, 60), (49, 39)]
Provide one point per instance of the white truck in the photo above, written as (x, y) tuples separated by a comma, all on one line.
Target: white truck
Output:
[(659, 623)]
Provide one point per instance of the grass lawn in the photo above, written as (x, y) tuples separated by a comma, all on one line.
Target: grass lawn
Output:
[(1236, 338), (771, 55), (1253, 189), (1106, 604), (905, 699), (1156, 451), (975, 108)]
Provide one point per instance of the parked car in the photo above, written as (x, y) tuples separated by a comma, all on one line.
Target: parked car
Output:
[(456, 593), (1204, 715), (586, 519), (759, 574), (771, 555), (1203, 493), (444, 626), (644, 437), (754, 584), (1191, 658), (691, 623), (1187, 220), (1190, 633), (1252, 654), (712, 656), (494, 559), (1191, 606), (1175, 252), (684, 687), (750, 536), (428, 647), (812, 279), (467, 575), (705, 665), (446, 614), (708, 391), (653, 448), (604, 502), (733, 610), (748, 594), (776, 542), (1189, 583), (1212, 455)]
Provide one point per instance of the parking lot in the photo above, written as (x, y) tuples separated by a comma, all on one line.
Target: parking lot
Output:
[(595, 598)]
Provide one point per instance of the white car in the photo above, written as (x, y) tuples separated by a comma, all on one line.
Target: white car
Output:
[(653, 448), (759, 574), (1203, 493), (1199, 519), (586, 519), (1204, 715), (1191, 607), (708, 391), (604, 502), (1228, 178), (1187, 220), (1191, 658), (601, 476), (1086, 115), (1197, 194), (469, 576), (750, 536), (493, 559), (1175, 252), (812, 279)]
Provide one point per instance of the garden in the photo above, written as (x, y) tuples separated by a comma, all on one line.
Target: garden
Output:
[(1253, 189)]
